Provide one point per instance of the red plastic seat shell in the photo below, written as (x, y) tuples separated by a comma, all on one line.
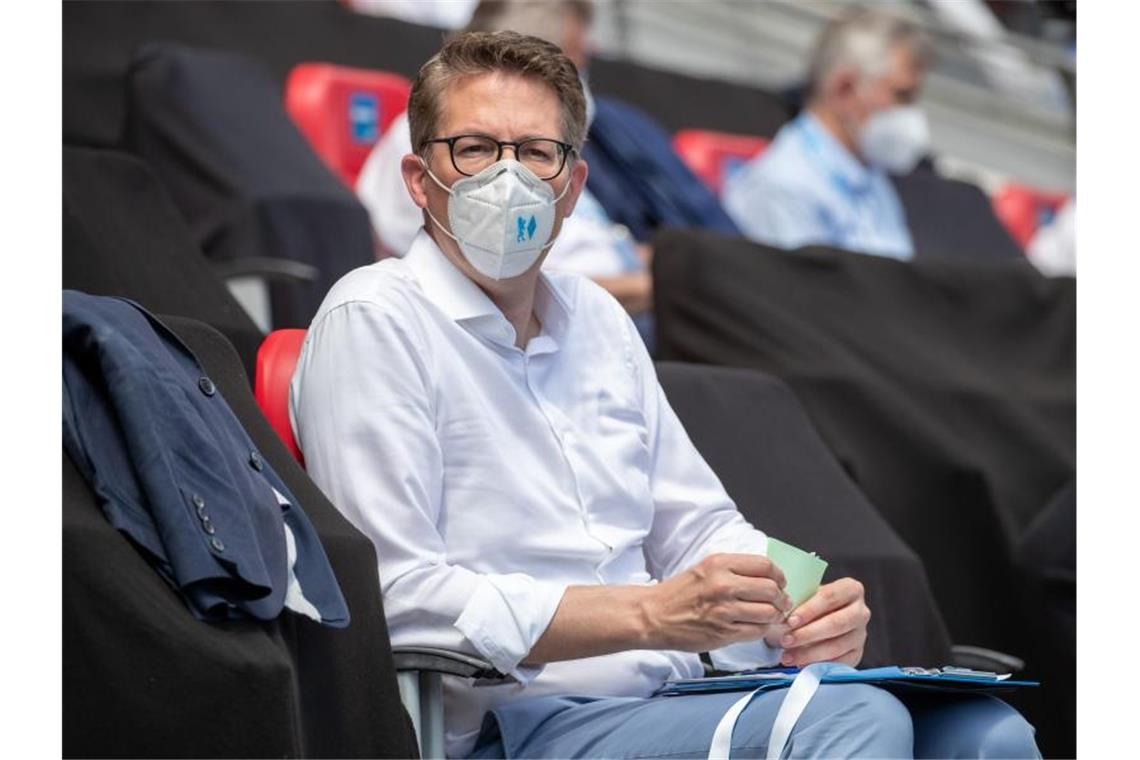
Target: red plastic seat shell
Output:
[(707, 153), (276, 360), (1020, 209), (319, 96)]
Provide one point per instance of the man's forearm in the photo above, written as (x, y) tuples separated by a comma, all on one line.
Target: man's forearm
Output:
[(724, 599), (595, 620)]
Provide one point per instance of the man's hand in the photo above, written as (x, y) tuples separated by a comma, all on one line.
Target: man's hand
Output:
[(829, 627), (725, 599)]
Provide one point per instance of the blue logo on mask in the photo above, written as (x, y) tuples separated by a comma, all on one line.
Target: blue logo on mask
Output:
[(525, 229)]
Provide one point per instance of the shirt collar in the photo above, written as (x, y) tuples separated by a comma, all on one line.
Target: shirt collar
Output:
[(462, 300), (446, 286), (831, 155), (553, 308)]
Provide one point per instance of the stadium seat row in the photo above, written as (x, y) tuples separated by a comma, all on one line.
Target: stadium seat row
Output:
[(342, 111)]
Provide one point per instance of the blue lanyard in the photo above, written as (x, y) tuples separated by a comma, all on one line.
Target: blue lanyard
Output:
[(842, 234), (815, 151)]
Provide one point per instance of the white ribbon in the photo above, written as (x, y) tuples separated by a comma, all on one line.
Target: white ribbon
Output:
[(795, 702)]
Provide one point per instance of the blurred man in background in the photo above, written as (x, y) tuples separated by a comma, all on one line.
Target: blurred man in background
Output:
[(589, 244), (824, 179)]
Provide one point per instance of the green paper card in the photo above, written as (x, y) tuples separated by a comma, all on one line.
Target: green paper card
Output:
[(803, 571)]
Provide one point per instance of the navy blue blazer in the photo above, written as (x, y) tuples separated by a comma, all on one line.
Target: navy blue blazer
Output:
[(640, 180), (174, 470)]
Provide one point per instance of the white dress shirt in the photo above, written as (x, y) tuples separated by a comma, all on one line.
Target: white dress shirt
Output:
[(490, 478), (589, 243)]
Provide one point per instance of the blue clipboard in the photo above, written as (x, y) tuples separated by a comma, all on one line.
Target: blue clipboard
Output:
[(890, 678)]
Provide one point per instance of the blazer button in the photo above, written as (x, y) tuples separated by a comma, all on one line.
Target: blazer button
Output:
[(217, 545), (208, 526), (199, 502), (206, 385), (201, 510), (255, 461)]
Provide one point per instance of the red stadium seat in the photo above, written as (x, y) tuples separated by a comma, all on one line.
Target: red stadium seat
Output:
[(276, 360), (1023, 210), (713, 155), (342, 111)]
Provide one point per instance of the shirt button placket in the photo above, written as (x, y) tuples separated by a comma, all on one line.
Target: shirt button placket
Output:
[(565, 439)]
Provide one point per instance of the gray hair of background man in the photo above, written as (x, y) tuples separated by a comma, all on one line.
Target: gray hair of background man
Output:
[(531, 17), (863, 38)]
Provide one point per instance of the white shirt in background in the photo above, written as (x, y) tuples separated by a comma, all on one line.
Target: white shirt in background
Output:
[(1053, 249), (490, 478)]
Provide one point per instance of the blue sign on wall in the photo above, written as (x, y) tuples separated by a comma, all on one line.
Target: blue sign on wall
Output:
[(363, 117)]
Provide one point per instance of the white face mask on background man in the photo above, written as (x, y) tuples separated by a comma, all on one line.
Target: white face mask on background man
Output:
[(502, 218), (895, 139)]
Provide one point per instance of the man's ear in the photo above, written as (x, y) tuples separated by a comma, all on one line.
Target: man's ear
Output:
[(415, 178), (578, 174), (842, 85)]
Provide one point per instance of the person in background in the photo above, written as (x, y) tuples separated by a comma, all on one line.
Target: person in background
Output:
[(1053, 248), (499, 433), (823, 181), (589, 244)]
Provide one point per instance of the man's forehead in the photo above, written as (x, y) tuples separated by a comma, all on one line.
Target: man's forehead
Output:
[(501, 104)]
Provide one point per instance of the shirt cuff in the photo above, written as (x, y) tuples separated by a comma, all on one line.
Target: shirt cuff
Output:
[(504, 618), (748, 654), (745, 656)]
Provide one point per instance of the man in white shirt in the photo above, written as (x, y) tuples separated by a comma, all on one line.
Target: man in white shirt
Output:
[(500, 435), (823, 180), (590, 243)]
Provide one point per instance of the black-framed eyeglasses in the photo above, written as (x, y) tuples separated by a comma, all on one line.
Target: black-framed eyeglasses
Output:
[(471, 154)]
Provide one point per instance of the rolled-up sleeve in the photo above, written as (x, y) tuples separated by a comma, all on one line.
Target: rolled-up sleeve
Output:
[(693, 516), (362, 406)]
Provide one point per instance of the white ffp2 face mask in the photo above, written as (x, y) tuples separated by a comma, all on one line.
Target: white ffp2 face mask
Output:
[(895, 139), (502, 218)]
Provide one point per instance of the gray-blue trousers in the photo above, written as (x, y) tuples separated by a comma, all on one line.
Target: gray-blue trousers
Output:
[(848, 720)]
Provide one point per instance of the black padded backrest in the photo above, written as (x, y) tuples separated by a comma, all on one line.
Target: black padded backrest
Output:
[(143, 677), (213, 126), (99, 40), (752, 431), (946, 388), (350, 703), (951, 219), (1047, 557), (122, 236)]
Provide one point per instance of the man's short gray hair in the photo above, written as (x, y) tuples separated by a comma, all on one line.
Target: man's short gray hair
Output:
[(864, 38)]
